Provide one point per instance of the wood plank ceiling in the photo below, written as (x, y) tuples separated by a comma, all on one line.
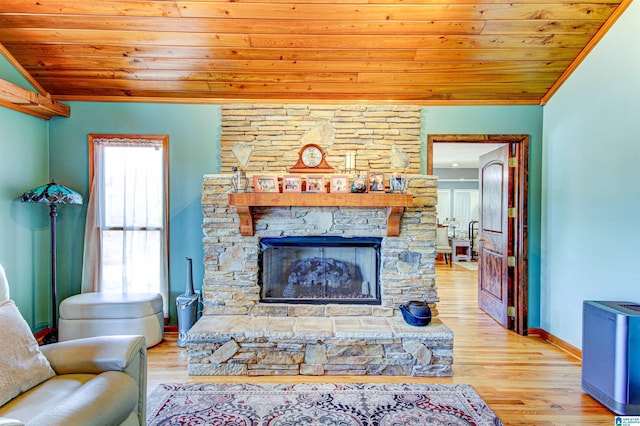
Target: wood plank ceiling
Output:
[(462, 52)]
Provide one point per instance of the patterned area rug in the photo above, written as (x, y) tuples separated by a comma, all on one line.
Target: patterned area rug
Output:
[(318, 404)]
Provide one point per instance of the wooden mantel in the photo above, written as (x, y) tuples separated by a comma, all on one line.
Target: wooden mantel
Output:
[(395, 204)]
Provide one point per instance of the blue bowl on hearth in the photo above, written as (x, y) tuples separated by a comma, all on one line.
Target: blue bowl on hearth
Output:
[(416, 313)]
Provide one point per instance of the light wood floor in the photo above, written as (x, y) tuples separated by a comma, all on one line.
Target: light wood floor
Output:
[(525, 380)]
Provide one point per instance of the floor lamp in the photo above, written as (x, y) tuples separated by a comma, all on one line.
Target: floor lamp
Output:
[(52, 194)]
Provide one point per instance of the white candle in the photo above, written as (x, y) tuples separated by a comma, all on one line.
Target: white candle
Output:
[(350, 161)]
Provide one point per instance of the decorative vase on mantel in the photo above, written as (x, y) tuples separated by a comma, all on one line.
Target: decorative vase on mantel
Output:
[(239, 180)]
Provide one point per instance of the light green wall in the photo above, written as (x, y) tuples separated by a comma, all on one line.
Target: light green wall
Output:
[(24, 228), (194, 150), (501, 120), (591, 183)]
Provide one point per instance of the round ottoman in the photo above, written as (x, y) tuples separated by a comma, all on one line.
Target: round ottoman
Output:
[(107, 314)]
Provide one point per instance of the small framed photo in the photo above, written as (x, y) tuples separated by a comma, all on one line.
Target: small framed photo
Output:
[(291, 183), (265, 184), (315, 184), (376, 181), (339, 184)]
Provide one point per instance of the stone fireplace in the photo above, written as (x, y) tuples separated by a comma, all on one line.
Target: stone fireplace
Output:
[(244, 331)]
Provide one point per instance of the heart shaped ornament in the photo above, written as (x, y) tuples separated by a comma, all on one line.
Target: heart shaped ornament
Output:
[(243, 153)]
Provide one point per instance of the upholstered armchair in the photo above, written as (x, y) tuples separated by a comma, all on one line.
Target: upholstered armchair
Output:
[(92, 381)]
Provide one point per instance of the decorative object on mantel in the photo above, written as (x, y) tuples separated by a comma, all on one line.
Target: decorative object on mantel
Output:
[(311, 159), (315, 184), (265, 183), (416, 312), (239, 182), (399, 158), (339, 184), (52, 194), (243, 153), (359, 184), (376, 181), (350, 162), (398, 183), (291, 183), (348, 404)]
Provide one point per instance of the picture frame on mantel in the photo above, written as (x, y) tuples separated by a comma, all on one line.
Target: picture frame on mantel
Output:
[(315, 184), (265, 184), (376, 181), (291, 183), (339, 184)]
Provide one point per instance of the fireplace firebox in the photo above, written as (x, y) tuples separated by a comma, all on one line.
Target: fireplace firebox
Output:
[(319, 270)]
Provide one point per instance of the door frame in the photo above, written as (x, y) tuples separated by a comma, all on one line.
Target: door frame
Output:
[(519, 245)]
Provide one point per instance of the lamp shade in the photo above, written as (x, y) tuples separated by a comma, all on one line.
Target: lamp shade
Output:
[(52, 193)]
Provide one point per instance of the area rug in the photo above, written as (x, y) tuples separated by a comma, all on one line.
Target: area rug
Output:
[(318, 404), (471, 266)]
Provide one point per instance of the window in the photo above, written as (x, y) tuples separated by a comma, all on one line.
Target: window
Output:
[(126, 234)]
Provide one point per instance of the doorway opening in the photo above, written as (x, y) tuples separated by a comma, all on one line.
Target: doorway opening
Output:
[(516, 211)]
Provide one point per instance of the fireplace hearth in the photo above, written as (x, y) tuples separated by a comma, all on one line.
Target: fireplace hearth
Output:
[(319, 270)]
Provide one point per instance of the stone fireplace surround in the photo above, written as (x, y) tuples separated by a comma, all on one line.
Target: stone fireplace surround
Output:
[(238, 335)]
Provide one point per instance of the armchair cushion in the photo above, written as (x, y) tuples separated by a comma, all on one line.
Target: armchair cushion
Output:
[(22, 365), (77, 399)]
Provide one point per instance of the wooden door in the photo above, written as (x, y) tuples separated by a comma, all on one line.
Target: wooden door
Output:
[(493, 236)]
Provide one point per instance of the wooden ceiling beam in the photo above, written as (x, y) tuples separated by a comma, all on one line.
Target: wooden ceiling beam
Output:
[(19, 99), (28, 102)]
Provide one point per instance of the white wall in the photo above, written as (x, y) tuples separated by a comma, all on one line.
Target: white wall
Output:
[(591, 183)]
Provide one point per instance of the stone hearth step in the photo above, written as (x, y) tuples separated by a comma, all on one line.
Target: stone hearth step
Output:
[(347, 345)]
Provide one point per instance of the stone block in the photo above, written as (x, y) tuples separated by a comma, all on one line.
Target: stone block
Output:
[(272, 372), (315, 354), (389, 370), (243, 358), (347, 310), (313, 327), (354, 360), (434, 370), (217, 369), (269, 310), (312, 370), (224, 352), (279, 357), (418, 350), (354, 350)]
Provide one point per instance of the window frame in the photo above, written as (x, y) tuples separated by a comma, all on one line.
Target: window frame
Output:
[(164, 139)]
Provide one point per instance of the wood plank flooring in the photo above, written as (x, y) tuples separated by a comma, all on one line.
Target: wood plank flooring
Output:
[(525, 380)]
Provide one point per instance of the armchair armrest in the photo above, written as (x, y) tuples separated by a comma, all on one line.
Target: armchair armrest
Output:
[(94, 355)]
